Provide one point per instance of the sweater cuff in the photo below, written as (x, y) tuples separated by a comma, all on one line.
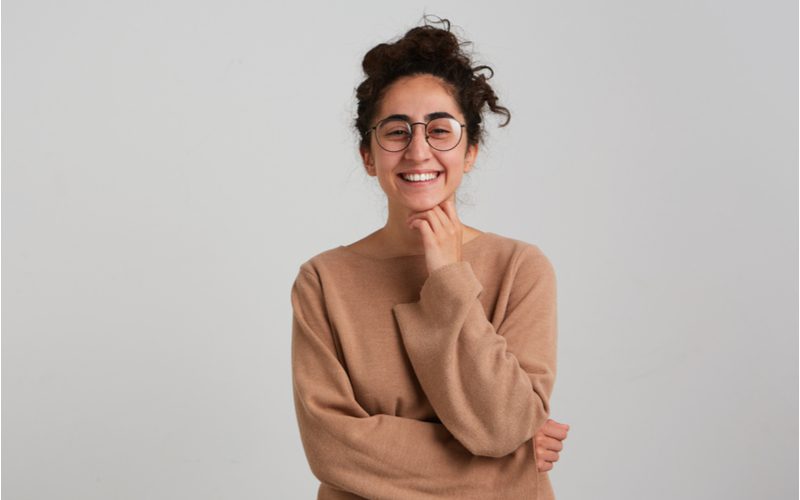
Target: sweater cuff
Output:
[(454, 279), (446, 298)]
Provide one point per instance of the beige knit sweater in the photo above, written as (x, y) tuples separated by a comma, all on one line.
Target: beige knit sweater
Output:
[(415, 386)]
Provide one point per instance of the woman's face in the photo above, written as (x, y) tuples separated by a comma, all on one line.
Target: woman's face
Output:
[(418, 96)]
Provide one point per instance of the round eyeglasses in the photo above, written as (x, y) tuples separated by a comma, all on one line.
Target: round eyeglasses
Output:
[(394, 134)]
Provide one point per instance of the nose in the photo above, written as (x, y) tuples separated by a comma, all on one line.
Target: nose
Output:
[(419, 149)]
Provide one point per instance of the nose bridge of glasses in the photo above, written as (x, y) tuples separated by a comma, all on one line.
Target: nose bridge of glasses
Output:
[(421, 141), (411, 128), (424, 127)]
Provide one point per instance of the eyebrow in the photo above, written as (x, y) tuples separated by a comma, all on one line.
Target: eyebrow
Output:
[(428, 117)]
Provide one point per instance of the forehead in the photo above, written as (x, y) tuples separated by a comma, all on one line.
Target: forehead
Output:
[(417, 96)]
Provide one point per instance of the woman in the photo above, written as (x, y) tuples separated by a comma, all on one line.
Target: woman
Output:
[(424, 355)]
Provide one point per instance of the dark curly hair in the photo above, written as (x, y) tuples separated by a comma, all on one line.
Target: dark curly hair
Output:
[(427, 50)]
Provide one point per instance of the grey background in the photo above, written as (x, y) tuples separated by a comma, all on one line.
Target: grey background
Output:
[(169, 165)]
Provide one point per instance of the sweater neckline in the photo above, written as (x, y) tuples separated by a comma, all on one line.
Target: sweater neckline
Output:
[(468, 245)]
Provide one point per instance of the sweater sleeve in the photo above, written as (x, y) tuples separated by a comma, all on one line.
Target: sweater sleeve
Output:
[(490, 388), (374, 456)]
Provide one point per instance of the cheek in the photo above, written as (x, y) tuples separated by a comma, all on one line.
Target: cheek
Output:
[(456, 166)]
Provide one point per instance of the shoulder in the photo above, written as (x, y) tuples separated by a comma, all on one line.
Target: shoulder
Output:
[(309, 285), (529, 270), (330, 258), (518, 254)]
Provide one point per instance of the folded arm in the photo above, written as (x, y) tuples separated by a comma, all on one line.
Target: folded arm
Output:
[(490, 388), (374, 456)]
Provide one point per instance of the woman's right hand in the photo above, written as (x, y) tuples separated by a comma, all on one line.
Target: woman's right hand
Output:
[(549, 442)]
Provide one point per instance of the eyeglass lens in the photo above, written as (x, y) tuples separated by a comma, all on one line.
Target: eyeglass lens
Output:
[(442, 134)]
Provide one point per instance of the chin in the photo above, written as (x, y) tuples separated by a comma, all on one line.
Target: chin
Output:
[(426, 204), (419, 203)]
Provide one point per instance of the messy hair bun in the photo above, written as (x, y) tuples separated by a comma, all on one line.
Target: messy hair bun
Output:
[(427, 50)]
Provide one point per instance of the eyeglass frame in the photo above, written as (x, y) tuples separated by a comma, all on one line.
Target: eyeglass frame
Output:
[(433, 116)]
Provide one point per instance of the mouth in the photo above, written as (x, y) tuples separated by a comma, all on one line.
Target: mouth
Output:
[(421, 180)]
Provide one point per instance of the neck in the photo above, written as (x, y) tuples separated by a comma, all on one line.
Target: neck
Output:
[(398, 236)]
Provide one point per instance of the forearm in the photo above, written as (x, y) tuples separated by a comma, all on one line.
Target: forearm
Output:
[(490, 387)]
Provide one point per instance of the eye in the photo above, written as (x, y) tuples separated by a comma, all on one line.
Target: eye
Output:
[(442, 128), (395, 130)]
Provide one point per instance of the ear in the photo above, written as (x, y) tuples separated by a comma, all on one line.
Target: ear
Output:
[(369, 164), (470, 156)]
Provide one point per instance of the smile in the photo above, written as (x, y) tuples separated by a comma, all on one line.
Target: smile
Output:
[(420, 179)]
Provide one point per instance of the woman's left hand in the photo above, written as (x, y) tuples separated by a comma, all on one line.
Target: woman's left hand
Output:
[(442, 233), (549, 442)]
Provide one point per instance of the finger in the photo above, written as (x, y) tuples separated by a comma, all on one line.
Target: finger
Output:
[(410, 220), (444, 219), (563, 426), (552, 444), (554, 422), (416, 216), (547, 443), (449, 208), (548, 456), (434, 221), (448, 213), (544, 466), (554, 431), (426, 231), (421, 224)]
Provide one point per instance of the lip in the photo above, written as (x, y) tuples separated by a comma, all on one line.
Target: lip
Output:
[(428, 171)]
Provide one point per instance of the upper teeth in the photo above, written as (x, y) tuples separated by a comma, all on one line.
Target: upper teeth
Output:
[(420, 177)]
